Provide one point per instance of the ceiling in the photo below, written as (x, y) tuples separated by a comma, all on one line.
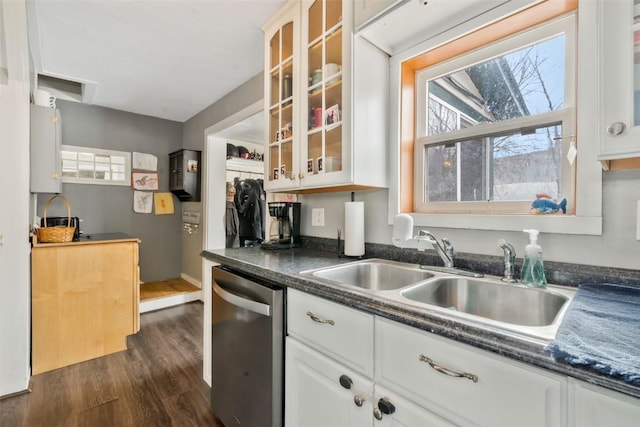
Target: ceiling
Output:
[(162, 58), (247, 130)]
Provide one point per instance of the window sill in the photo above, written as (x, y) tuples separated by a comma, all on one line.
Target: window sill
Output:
[(561, 224)]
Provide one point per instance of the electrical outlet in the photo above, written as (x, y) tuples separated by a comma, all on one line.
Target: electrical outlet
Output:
[(317, 217)]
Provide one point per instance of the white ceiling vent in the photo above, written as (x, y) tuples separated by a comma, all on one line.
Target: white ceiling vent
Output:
[(67, 89)]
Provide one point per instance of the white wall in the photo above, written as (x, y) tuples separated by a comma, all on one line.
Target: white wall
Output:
[(14, 205)]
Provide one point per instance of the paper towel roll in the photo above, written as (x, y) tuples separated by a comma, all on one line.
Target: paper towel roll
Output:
[(354, 228)]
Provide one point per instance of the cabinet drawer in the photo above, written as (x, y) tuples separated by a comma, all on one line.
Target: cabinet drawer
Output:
[(341, 332), (504, 393)]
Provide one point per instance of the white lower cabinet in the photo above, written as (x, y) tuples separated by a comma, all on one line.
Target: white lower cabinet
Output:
[(594, 406), (402, 412), (317, 393), (466, 386), (316, 396), (345, 367)]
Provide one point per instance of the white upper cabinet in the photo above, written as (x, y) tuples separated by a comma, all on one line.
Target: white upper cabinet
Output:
[(46, 140), (281, 98), (619, 30), (331, 134)]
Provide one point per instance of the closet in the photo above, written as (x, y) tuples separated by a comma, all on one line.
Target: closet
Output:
[(245, 217)]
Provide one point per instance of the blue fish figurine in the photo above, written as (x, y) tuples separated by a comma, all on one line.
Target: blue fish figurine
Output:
[(544, 205)]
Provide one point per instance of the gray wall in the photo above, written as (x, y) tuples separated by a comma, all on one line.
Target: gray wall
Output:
[(108, 208), (193, 138), (617, 247)]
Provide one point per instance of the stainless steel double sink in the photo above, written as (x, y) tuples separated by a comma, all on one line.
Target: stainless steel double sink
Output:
[(485, 302)]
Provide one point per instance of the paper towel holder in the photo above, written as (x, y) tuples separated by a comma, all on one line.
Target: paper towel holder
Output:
[(348, 248), (341, 253)]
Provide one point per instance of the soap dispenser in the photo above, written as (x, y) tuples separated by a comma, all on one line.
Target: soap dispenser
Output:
[(533, 267)]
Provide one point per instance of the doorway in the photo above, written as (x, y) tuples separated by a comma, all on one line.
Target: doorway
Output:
[(214, 196)]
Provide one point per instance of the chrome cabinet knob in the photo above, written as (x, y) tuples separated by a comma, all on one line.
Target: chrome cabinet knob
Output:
[(347, 383), (616, 128), (377, 414)]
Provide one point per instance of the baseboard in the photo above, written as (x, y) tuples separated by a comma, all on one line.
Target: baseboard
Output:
[(194, 282), (170, 301)]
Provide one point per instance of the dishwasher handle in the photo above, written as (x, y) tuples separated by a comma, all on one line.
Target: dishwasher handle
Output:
[(248, 304)]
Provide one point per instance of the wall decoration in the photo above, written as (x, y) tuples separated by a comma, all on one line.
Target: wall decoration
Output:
[(332, 115), (163, 203), (142, 201), (147, 181), (192, 166), (145, 162)]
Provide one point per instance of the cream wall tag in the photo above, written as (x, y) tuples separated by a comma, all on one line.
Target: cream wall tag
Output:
[(573, 151)]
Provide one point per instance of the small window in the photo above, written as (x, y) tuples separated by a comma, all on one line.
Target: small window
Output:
[(494, 125), (83, 165)]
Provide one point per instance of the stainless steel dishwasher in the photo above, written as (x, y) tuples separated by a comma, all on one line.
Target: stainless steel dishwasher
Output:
[(247, 350)]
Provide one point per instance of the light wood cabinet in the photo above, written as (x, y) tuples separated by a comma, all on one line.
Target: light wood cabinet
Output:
[(45, 143), (85, 298), (619, 47), (338, 105)]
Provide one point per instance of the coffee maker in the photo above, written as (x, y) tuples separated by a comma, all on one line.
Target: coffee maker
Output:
[(284, 231)]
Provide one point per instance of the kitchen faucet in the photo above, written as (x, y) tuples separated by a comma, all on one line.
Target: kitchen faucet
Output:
[(509, 261), (403, 238), (444, 250)]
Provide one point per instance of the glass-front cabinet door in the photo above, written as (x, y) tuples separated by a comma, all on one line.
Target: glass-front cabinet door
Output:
[(620, 107), (281, 167), (325, 69), (325, 114)]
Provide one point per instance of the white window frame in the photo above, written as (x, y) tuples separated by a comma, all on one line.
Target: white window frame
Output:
[(100, 151), (587, 219), (565, 117)]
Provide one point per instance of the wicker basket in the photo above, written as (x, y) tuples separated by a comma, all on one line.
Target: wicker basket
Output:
[(57, 234)]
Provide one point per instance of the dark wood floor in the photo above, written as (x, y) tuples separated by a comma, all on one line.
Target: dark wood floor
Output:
[(157, 381)]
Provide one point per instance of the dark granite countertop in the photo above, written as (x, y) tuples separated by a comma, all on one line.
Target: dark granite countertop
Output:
[(283, 267)]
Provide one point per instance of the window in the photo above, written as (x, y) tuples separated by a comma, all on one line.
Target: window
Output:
[(494, 125), (579, 110), (82, 165)]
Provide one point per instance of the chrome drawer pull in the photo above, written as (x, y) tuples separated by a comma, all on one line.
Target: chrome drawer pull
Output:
[(447, 371), (319, 320)]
